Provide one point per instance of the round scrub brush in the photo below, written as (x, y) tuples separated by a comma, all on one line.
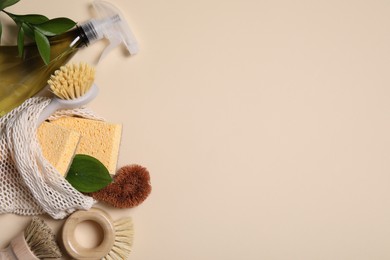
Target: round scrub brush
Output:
[(130, 187), (36, 242), (117, 236), (72, 86)]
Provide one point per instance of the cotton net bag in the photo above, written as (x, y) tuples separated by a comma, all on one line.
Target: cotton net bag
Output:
[(29, 184)]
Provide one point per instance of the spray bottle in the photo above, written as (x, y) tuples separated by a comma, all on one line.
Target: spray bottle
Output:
[(23, 77)]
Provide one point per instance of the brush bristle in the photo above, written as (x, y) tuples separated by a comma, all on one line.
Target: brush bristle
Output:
[(41, 240), (72, 80), (124, 235), (131, 186)]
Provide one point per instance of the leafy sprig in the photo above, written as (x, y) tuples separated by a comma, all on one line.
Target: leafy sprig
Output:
[(37, 28)]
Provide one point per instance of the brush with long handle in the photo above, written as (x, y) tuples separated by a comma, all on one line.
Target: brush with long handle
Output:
[(72, 86), (36, 242), (117, 236)]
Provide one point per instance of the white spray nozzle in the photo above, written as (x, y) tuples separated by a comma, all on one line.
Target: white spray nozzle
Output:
[(111, 25)]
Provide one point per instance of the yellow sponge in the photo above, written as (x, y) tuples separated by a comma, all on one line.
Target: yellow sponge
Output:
[(98, 139), (58, 145)]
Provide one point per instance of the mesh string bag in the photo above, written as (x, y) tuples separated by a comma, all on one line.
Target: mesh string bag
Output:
[(29, 184)]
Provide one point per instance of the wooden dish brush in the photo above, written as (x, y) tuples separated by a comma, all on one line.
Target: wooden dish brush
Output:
[(73, 86), (36, 242), (117, 241)]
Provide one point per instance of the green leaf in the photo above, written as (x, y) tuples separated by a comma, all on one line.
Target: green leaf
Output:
[(88, 174), (6, 3), (28, 31), (55, 26), (43, 45), (21, 41), (31, 18)]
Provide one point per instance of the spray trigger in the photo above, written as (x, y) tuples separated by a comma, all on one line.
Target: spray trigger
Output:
[(114, 42), (110, 24)]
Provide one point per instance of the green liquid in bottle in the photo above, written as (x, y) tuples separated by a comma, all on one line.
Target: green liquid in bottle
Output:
[(23, 77)]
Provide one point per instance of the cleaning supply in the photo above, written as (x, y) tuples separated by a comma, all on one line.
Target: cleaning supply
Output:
[(117, 236), (36, 242), (58, 145), (72, 81), (99, 139), (23, 77), (130, 187), (72, 86), (30, 184)]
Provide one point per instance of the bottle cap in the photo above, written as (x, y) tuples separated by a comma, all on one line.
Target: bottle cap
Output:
[(111, 25)]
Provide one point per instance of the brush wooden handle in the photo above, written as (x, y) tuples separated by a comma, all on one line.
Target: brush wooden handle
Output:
[(18, 249), (72, 246), (7, 254)]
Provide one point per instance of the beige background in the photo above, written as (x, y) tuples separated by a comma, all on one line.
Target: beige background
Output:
[(264, 124)]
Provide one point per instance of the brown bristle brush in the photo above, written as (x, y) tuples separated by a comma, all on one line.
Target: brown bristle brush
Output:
[(36, 242), (130, 187)]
